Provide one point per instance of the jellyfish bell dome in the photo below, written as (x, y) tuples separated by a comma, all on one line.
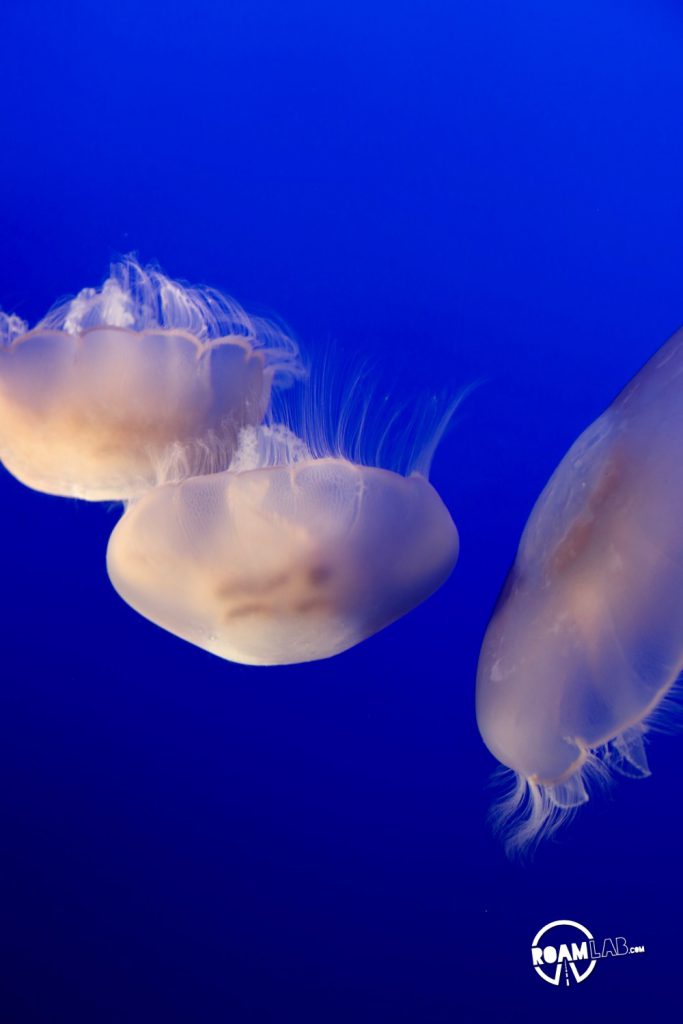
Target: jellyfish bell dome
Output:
[(305, 546), (95, 398), (586, 641), (286, 563)]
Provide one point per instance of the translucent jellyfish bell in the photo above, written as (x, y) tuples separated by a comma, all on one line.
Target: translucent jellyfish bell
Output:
[(106, 389), (296, 553), (587, 638)]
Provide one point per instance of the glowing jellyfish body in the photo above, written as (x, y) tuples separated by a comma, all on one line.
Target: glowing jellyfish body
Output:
[(284, 563), (255, 543), (587, 638), (114, 384)]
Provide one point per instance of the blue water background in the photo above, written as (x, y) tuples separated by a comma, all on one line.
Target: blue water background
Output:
[(476, 190)]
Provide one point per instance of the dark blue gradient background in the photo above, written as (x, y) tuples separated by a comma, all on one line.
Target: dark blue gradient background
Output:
[(480, 190)]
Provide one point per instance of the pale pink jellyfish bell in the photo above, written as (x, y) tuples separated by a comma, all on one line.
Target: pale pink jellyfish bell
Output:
[(301, 549), (114, 383), (586, 641)]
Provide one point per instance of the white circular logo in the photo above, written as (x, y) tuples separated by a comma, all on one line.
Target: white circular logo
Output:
[(561, 951)]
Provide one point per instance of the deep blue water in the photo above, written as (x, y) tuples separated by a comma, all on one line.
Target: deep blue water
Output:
[(482, 191)]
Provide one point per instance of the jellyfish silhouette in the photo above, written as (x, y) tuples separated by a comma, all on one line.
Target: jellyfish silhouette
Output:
[(587, 638), (301, 549), (96, 398)]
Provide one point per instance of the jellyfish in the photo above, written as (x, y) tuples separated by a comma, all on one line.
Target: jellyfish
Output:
[(114, 382), (586, 640), (301, 549)]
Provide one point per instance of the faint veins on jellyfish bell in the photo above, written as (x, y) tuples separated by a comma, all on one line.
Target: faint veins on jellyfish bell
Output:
[(283, 563), (587, 638), (256, 541)]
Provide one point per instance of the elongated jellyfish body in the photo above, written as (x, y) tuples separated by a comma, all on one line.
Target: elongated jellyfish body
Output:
[(113, 384), (587, 637), (288, 563)]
